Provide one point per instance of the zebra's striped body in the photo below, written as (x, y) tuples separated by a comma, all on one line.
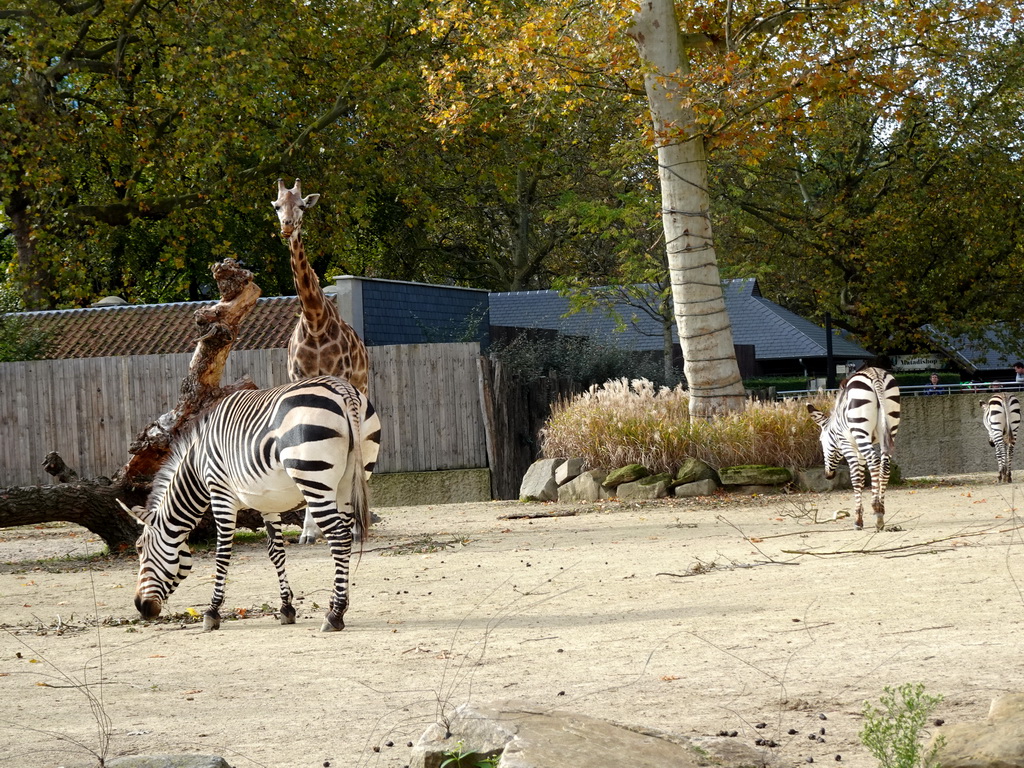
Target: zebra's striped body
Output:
[(1002, 420), (311, 441), (862, 429)]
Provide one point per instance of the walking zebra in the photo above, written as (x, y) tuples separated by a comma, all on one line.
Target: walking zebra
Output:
[(312, 441), (862, 428), (1002, 419)]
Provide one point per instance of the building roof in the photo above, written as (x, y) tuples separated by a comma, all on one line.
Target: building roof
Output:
[(151, 329), (773, 331), (981, 356)]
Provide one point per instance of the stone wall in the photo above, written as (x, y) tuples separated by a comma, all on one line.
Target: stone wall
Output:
[(943, 435), (410, 489)]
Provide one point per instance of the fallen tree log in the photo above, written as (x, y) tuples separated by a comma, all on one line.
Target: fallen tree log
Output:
[(93, 504)]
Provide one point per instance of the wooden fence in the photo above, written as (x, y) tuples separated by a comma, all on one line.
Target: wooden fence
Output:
[(89, 410)]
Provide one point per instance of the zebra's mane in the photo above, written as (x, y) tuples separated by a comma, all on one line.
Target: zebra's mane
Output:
[(179, 449)]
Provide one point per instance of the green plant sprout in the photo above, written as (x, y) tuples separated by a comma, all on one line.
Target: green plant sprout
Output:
[(894, 733), (457, 757)]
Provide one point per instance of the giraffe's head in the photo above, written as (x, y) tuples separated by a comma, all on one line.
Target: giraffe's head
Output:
[(290, 206)]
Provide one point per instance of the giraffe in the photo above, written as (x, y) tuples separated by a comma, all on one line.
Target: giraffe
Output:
[(322, 343)]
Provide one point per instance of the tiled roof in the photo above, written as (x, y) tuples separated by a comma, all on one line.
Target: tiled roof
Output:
[(987, 354), (152, 329), (775, 332)]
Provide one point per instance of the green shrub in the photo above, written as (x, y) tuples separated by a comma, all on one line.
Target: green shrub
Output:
[(781, 383), (18, 339), (894, 733), (623, 422)]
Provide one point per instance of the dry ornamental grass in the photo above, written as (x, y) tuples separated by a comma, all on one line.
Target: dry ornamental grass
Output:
[(625, 422)]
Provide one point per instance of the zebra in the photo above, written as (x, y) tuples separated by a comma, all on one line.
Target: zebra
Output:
[(313, 441), (862, 428), (1002, 419)]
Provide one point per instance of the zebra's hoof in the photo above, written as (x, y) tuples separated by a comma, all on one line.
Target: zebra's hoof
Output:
[(333, 622), (211, 620), (304, 539), (287, 614)]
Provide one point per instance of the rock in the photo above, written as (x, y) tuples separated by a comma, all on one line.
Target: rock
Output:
[(645, 488), (627, 474), (692, 470), (567, 470), (536, 737), (754, 474), (539, 483), (813, 479), (167, 761), (696, 488), (586, 487), (996, 743)]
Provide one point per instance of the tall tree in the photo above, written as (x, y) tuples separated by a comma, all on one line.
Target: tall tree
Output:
[(705, 334), (742, 80), (140, 137), (895, 208)]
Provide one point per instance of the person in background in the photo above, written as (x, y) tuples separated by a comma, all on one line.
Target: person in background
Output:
[(1018, 369), (933, 388)]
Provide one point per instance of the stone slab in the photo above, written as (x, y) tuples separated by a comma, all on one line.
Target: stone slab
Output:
[(527, 736)]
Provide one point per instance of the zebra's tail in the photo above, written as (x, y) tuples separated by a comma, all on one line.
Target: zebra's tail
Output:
[(360, 486), (885, 433)]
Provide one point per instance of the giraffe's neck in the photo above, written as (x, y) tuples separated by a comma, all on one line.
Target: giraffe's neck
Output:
[(315, 307)]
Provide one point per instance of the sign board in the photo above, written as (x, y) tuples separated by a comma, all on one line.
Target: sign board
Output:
[(917, 362)]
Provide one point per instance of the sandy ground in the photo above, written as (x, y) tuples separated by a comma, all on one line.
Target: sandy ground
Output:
[(692, 617)]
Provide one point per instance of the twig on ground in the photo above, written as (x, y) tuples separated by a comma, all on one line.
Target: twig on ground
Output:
[(703, 568), (921, 629), (903, 547), (538, 515)]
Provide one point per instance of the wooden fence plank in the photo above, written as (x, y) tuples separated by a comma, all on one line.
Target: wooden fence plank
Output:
[(89, 411)]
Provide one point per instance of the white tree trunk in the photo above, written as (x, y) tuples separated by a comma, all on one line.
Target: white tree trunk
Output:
[(705, 335)]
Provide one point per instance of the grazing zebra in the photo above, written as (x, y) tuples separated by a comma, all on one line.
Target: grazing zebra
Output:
[(862, 428), (1002, 419), (313, 441)]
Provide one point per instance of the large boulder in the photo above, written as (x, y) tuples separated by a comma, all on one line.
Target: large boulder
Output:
[(813, 479), (537, 737), (693, 469), (704, 487), (567, 470), (754, 474), (996, 743), (650, 487), (539, 482), (585, 487), (627, 474)]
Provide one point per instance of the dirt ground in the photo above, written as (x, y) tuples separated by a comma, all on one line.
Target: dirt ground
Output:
[(693, 617)]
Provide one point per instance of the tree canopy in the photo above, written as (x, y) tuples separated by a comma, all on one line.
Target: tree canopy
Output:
[(141, 143), (864, 156)]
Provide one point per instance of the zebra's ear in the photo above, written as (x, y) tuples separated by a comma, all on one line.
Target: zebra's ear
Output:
[(139, 513)]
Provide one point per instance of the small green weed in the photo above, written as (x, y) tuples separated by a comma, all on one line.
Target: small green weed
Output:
[(459, 758), (894, 733)]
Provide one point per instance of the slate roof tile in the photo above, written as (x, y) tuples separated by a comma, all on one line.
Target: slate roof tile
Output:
[(150, 329), (775, 332)]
